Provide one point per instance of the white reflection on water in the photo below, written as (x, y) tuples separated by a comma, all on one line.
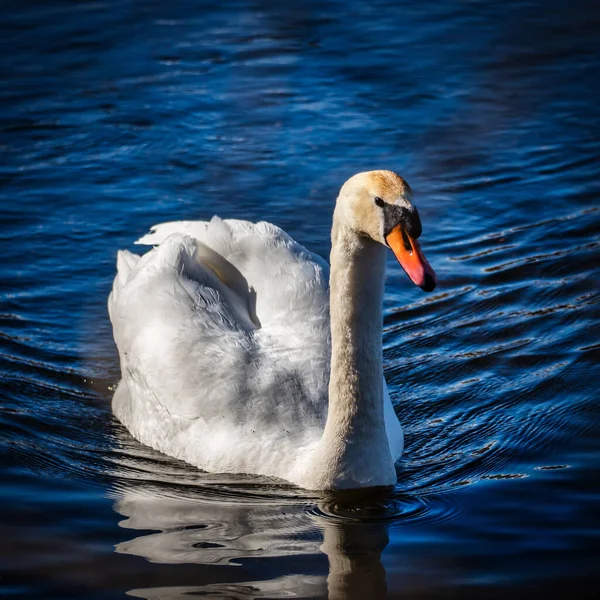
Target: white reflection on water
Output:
[(224, 531)]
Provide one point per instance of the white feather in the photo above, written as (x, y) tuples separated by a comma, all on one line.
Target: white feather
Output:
[(223, 333)]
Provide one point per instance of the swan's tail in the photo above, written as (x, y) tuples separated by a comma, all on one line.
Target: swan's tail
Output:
[(126, 261)]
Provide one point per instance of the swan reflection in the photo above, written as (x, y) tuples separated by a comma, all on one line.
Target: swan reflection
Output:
[(308, 547)]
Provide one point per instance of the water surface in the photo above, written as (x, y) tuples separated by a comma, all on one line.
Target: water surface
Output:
[(115, 116)]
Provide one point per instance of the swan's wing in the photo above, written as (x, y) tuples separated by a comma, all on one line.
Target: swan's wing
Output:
[(175, 330), (184, 337), (288, 281)]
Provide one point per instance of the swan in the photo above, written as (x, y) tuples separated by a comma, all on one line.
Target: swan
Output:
[(242, 352)]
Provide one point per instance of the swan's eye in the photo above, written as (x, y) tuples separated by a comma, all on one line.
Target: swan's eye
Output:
[(379, 201)]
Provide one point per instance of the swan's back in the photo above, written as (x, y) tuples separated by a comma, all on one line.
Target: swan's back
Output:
[(223, 336)]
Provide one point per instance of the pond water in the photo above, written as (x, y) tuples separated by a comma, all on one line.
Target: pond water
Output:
[(115, 116)]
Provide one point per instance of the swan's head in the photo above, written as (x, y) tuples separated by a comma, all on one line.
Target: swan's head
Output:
[(377, 204)]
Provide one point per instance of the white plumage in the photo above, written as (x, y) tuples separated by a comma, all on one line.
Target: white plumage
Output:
[(223, 333)]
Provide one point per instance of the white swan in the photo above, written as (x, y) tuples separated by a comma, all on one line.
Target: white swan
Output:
[(230, 360)]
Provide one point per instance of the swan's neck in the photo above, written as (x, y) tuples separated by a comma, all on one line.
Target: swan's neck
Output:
[(354, 438), (356, 291)]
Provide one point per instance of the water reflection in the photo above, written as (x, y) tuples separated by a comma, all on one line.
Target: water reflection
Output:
[(354, 549), (198, 529)]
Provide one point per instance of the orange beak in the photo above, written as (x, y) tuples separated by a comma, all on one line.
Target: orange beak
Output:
[(412, 260)]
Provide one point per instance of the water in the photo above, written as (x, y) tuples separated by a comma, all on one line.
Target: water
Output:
[(115, 116)]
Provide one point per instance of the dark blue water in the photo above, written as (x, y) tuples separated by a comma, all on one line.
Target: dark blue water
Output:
[(116, 115)]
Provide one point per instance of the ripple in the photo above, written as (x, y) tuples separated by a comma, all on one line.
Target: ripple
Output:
[(505, 476), (552, 467), (385, 506), (527, 260)]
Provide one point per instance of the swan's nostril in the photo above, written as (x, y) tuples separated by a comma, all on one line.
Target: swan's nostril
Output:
[(429, 284)]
